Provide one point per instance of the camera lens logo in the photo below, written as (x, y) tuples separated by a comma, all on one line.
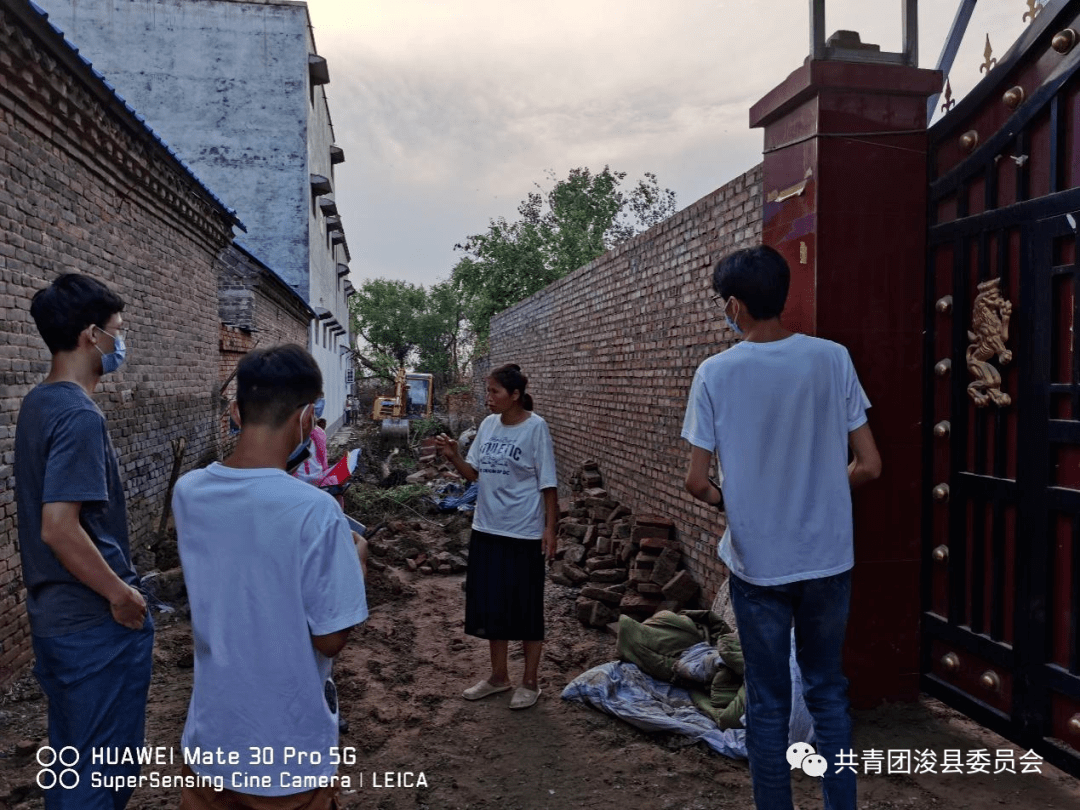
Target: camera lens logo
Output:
[(57, 767)]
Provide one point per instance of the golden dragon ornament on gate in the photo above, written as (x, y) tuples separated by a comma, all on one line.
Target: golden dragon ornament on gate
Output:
[(989, 331)]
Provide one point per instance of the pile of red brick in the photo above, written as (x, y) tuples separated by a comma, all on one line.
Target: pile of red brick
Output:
[(623, 564)]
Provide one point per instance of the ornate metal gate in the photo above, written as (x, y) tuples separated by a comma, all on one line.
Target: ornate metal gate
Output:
[(1001, 530)]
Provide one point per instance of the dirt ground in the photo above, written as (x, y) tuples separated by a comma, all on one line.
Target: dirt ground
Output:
[(400, 680)]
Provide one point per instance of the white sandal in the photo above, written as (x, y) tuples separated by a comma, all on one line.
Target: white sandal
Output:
[(524, 697), (483, 689)]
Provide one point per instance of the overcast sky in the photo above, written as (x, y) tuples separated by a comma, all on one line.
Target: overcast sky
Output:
[(449, 110)]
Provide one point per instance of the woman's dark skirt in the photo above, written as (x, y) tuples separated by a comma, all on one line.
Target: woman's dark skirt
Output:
[(504, 588)]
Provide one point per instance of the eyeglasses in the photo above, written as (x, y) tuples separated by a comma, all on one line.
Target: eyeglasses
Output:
[(118, 336)]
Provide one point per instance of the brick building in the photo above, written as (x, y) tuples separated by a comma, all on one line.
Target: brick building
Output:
[(236, 86), (256, 308), (610, 351), (87, 186)]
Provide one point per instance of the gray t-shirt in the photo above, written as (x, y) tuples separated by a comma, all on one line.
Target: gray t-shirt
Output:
[(63, 453)]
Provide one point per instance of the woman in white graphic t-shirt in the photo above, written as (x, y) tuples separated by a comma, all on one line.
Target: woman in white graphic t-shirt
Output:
[(517, 511)]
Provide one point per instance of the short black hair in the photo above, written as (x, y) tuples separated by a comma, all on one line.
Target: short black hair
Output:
[(272, 383), (757, 276), (69, 305)]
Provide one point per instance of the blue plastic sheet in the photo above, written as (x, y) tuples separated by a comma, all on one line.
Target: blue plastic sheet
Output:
[(455, 498), (623, 690)]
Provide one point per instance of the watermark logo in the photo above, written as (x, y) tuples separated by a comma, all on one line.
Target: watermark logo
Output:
[(803, 756), (57, 767)]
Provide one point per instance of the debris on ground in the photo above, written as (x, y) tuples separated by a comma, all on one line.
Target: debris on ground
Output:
[(400, 678)]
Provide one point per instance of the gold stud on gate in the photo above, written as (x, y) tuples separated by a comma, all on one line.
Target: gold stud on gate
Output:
[(1013, 97), (950, 662), (990, 681), (1074, 724), (944, 305), (942, 429), (941, 493), (941, 554), (1064, 41), (943, 366), (969, 140)]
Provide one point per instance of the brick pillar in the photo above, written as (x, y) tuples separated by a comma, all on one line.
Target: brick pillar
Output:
[(845, 203)]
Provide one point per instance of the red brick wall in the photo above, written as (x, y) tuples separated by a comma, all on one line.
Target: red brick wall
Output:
[(84, 188), (611, 349)]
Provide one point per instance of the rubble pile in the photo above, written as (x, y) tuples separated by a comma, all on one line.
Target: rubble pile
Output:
[(421, 545), (430, 465), (622, 564)]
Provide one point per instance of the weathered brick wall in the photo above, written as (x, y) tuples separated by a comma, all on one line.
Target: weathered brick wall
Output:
[(234, 344), (256, 308), (611, 349), (83, 187), (254, 298)]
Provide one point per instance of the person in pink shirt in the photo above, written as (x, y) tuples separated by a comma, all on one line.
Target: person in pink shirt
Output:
[(319, 440), (315, 466)]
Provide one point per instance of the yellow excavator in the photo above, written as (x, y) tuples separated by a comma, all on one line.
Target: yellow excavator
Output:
[(413, 397)]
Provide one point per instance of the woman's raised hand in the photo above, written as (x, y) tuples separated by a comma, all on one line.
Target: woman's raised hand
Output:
[(445, 445)]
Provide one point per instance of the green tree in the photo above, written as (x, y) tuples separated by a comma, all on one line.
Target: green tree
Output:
[(556, 232), (385, 316), (405, 324), (439, 332)]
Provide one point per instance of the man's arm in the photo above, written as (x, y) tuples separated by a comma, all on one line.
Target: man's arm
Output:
[(697, 478), (68, 540), (332, 643), (332, 582), (866, 465)]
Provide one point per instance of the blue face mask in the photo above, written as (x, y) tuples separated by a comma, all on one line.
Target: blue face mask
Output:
[(298, 456), (302, 451), (734, 326), (113, 360), (320, 404)]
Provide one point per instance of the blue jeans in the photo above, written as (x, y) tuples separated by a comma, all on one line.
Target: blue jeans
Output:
[(96, 681), (819, 610)]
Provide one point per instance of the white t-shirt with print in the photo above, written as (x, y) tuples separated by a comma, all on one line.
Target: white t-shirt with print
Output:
[(268, 562), (778, 416), (515, 463)]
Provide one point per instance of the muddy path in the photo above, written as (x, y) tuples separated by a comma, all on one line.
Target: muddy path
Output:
[(400, 681)]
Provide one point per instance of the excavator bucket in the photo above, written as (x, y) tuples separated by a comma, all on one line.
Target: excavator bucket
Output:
[(396, 430)]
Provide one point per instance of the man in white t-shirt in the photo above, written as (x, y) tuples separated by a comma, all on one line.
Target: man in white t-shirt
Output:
[(780, 411), (275, 586)]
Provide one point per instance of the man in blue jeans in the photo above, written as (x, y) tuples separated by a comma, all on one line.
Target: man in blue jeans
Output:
[(90, 630), (780, 411)]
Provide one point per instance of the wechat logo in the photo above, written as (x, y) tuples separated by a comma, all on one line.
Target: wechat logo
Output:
[(58, 767), (803, 756)]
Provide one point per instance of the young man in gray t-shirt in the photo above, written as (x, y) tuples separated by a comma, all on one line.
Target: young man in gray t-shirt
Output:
[(91, 634), (780, 411)]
